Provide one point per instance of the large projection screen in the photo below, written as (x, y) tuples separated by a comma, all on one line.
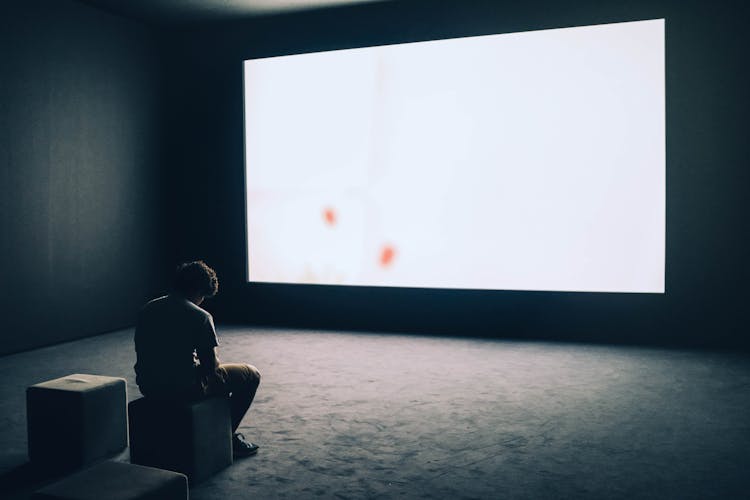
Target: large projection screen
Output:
[(524, 161)]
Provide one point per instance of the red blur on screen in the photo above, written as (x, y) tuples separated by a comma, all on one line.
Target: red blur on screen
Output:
[(329, 216), (387, 254)]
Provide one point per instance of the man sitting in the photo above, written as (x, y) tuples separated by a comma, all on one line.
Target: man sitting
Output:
[(175, 345)]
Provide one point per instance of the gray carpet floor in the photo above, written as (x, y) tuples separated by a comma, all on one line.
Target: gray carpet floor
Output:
[(353, 415)]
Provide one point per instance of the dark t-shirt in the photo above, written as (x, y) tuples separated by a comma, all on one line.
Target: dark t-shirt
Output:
[(170, 329)]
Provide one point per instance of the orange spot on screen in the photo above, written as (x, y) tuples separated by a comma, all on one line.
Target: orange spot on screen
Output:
[(387, 253), (329, 216)]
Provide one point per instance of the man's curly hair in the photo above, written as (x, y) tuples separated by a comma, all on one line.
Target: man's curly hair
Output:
[(196, 278)]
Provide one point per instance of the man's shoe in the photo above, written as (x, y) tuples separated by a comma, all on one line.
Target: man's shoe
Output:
[(242, 448)]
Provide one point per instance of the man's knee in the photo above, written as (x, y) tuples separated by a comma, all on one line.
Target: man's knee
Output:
[(253, 376), (240, 377)]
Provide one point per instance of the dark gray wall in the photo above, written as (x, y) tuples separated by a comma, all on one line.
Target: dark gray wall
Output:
[(707, 175), (82, 235)]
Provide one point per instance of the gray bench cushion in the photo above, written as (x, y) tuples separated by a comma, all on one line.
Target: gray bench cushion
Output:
[(118, 481), (76, 420)]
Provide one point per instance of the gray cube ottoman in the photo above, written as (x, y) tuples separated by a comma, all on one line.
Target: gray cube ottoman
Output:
[(117, 481), (76, 420), (192, 438)]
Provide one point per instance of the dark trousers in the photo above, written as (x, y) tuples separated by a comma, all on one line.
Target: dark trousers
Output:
[(239, 382)]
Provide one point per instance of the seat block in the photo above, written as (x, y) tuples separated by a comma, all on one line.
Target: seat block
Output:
[(192, 438), (76, 420)]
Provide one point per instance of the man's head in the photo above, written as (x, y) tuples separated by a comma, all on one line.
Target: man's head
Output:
[(196, 281)]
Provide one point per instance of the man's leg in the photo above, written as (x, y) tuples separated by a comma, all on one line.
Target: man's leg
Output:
[(241, 382)]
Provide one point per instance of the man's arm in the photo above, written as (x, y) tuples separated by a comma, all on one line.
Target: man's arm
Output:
[(209, 361), (205, 350)]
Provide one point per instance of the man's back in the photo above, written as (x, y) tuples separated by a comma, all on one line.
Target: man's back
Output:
[(169, 331)]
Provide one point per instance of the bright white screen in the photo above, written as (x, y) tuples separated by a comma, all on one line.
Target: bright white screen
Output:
[(525, 161)]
